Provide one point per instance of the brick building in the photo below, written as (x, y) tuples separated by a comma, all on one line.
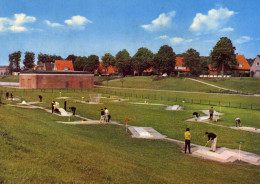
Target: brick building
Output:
[(56, 79)]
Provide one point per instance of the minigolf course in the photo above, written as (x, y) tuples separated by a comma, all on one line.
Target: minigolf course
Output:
[(205, 119), (249, 129), (226, 155), (145, 133), (174, 108)]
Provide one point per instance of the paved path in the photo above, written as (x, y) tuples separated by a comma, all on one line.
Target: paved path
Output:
[(212, 85), (9, 84)]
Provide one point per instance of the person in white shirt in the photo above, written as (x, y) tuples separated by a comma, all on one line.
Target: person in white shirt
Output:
[(106, 115)]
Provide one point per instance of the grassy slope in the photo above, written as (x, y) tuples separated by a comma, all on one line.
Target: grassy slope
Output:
[(35, 149), (249, 85), (166, 84), (9, 78)]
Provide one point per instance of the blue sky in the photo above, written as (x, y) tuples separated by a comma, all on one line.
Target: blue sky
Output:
[(85, 27)]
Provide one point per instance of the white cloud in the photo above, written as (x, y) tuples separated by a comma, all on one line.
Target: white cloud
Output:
[(242, 39), (212, 21), (77, 21), (175, 40), (52, 24), (162, 37), (226, 29), (16, 24), (163, 21)]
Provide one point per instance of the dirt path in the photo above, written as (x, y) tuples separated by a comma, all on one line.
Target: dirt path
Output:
[(212, 85)]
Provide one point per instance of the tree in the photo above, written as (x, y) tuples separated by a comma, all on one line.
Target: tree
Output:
[(108, 60), (142, 60), (72, 58), (192, 60), (164, 60), (45, 58), (80, 63), (92, 63), (124, 63), (14, 60), (205, 61), (223, 54), (28, 60)]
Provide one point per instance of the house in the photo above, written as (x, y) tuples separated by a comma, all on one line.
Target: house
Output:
[(241, 68), (111, 70), (4, 70), (179, 66), (59, 65), (255, 68), (63, 65)]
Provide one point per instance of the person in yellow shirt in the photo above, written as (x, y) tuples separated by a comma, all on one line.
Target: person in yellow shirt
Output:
[(187, 137)]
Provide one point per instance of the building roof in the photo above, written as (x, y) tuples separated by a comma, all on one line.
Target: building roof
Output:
[(56, 72), (211, 69), (243, 64), (110, 69), (179, 63), (61, 65), (148, 70), (3, 66)]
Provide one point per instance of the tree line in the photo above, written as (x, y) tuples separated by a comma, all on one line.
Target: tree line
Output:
[(222, 56)]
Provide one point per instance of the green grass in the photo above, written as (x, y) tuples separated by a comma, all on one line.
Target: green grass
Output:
[(246, 84), (36, 149), (9, 78), (147, 82)]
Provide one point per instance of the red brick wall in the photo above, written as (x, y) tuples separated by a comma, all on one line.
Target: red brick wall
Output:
[(28, 81), (43, 81)]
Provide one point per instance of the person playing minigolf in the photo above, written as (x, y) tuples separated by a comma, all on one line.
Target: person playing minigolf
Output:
[(238, 122), (196, 115), (7, 95), (73, 109), (213, 139), (187, 137), (40, 97), (211, 111)]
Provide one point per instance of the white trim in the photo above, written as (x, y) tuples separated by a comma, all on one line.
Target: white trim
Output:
[(56, 74)]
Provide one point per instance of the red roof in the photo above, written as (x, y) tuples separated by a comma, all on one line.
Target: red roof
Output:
[(179, 63), (243, 64), (62, 65), (110, 69), (148, 70), (212, 69)]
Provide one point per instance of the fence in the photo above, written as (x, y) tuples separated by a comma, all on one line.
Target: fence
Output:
[(146, 96)]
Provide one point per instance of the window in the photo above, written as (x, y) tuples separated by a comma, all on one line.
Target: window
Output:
[(66, 68), (240, 66), (67, 84), (257, 64)]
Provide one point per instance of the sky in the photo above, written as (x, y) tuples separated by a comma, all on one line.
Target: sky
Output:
[(85, 27)]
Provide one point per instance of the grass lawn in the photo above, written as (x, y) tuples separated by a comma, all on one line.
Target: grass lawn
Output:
[(36, 149), (246, 84), (9, 78), (147, 82)]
